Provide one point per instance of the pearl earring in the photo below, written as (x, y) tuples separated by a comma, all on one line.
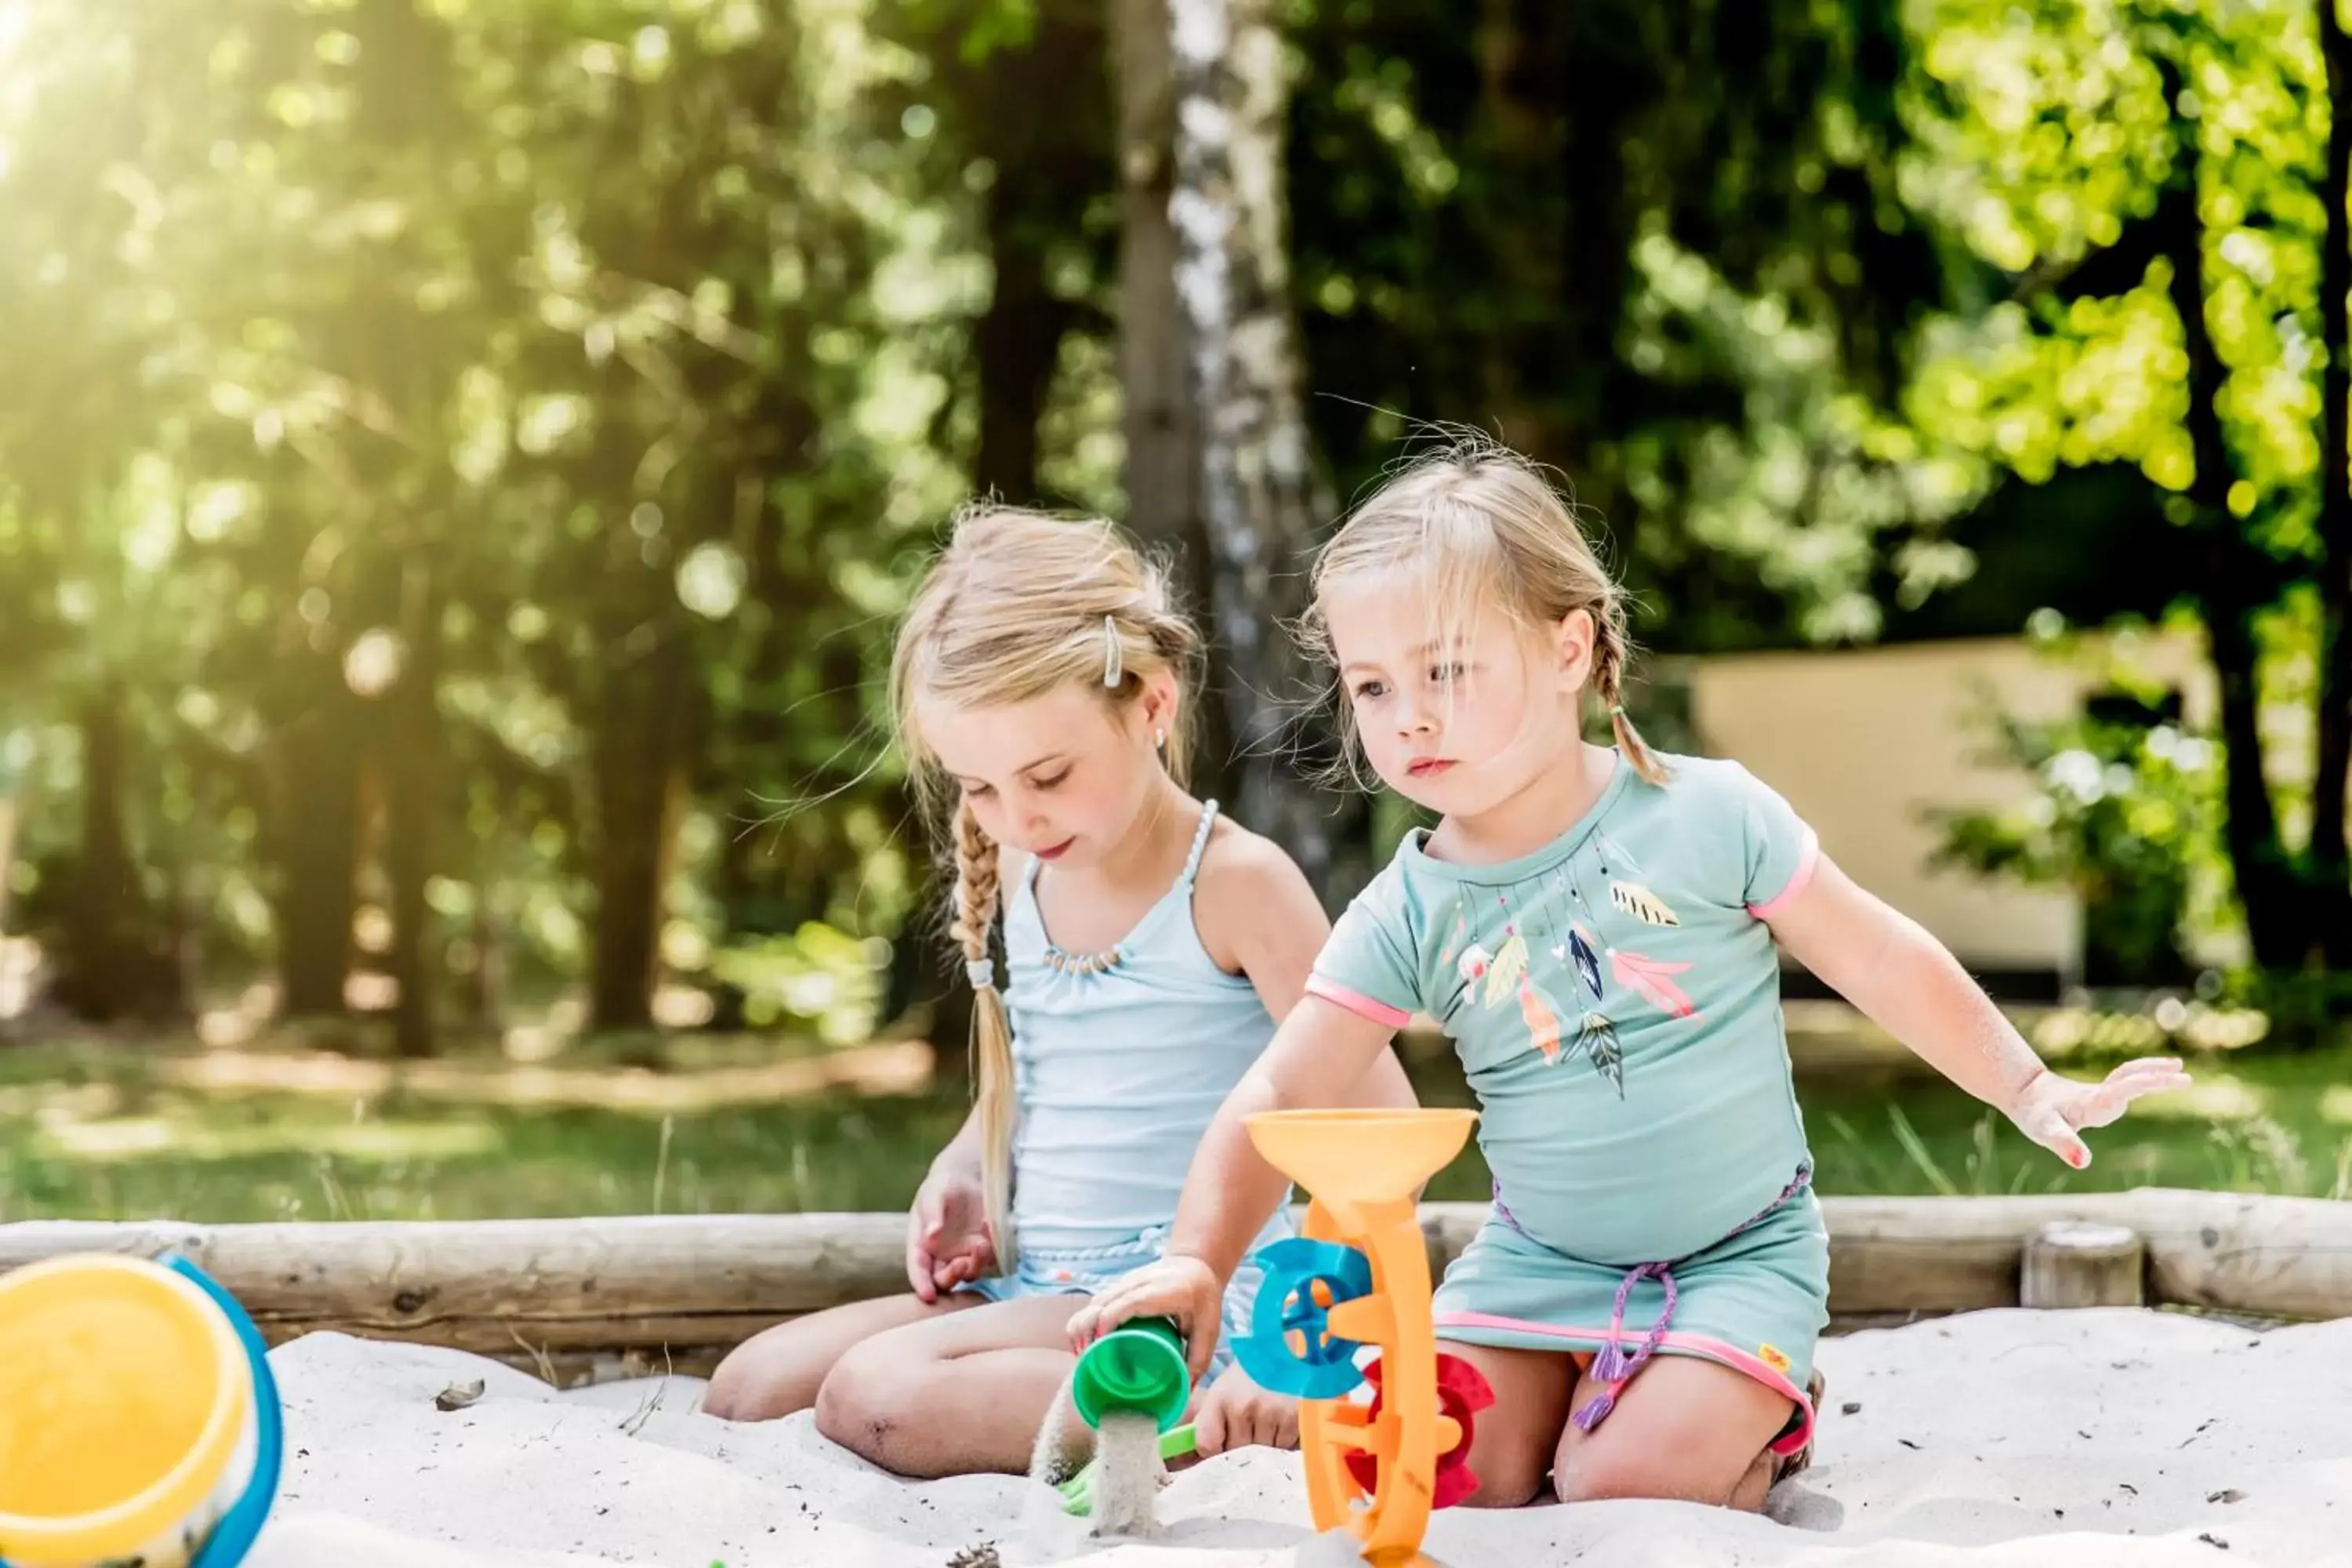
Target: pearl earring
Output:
[(1159, 739)]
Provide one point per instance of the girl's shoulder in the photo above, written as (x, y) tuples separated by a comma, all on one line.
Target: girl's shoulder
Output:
[(1247, 883), (1712, 811), (1237, 864), (1702, 787), (1702, 776)]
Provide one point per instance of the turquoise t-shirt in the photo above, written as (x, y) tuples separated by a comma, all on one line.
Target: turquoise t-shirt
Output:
[(1615, 999)]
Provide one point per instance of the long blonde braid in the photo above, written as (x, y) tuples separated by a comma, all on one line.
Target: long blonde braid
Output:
[(977, 888)]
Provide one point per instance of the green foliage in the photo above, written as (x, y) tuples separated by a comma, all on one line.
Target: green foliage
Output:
[(2126, 816), (532, 351), (2147, 189), (483, 445)]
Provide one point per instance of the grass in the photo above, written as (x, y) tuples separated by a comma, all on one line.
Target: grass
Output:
[(106, 1129), (101, 1131)]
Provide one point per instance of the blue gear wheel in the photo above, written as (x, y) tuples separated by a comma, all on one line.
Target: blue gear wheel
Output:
[(1287, 1305)]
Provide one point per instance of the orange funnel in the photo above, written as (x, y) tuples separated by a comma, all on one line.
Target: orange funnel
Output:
[(1359, 1156)]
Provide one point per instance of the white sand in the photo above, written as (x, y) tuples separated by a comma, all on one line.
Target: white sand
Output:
[(2080, 1440)]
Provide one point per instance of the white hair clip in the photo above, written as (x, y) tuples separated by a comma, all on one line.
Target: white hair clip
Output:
[(1114, 663), (981, 972)]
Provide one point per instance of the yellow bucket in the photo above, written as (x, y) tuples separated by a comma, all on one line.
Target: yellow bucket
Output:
[(135, 1417)]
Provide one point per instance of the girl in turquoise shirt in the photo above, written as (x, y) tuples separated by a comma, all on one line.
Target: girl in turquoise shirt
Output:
[(1594, 929)]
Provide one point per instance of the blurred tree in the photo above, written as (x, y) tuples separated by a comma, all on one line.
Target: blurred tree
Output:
[(1262, 501), (2157, 187)]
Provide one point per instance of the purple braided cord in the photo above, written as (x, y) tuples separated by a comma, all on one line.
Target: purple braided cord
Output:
[(1613, 1366), (1503, 1210)]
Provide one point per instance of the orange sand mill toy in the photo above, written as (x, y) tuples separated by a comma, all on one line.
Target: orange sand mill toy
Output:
[(1360, 1277)]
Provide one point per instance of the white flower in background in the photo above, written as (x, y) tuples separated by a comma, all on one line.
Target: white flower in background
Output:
[(2076, 772)]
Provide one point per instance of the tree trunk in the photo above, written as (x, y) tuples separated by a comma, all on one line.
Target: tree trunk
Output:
[(1262, 501), (110, 973), (16, 792), (412, 781), (2231, 598), (639, 737), (485, 994), (1045, 174), (1523, 119), (318, 832), (1162, 436), (1016, 345), (2331, 870)]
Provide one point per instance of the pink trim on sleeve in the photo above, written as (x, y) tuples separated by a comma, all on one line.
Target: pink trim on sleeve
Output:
[(1356, 1001), (1808, 858)]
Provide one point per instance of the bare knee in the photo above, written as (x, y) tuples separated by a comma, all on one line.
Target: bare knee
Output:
[(1602, 1472), (1511, 1491), (1590, 1473), (1507, 1480), (870, 1402), (754, 1384)]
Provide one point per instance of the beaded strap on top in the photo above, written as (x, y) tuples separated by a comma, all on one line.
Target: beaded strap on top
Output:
[(1063, 961)]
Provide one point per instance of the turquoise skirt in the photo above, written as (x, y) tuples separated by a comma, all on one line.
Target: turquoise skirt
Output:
[(1756, 1301)]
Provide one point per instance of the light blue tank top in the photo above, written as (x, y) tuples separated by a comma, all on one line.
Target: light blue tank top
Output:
[(1120, 1060)]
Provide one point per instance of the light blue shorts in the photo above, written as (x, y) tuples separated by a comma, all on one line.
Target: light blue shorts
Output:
[(1085, 1272)]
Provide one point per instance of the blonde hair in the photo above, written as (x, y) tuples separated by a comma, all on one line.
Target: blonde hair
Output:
[(1019, 604), (1490, 532)]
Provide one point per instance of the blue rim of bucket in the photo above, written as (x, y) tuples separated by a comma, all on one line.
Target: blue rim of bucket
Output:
[(232, 1537)]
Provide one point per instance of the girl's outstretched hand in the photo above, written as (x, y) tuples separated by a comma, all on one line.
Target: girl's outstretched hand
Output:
[(2050, 1109), (1185, 1288)]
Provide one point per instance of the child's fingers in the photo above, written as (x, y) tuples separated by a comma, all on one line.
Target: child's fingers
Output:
[(2113, 1097), (2054, 1130), (2148, 1076), (918, 1254), (1127, 1298), (1285, 1424), (1209, 1432), (1083, 1327), (920, 1273)]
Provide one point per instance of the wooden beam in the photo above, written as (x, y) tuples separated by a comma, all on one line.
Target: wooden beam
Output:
[(2074, 1264), (1948, 1254), (2240, 1252), (692, 1282), (491, 1284)]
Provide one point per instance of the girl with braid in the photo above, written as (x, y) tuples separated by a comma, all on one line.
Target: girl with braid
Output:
[(1593, 926), (1042, 689)]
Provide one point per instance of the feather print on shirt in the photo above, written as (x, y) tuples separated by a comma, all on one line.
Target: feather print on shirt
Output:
[(1580, 947), (1633, 899), (1542, 1016), (1611, 850), (1655, 979), (1597, 1038), (1510, 963), (1461, 928)]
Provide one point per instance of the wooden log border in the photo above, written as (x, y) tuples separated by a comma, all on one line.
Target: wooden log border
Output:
[(634, 1290)]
